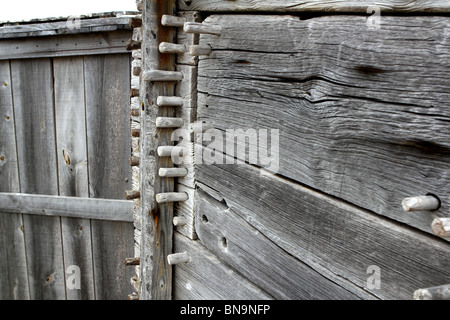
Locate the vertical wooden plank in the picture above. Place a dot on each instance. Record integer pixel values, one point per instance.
(157, 228)
(13, 271)
(35, 129)
(107, 84)
(72, 172)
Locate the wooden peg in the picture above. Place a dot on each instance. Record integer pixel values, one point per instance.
(172, 21)
(133, 45)
(137, 71)
(135, 112)
(177, 258)
(136, 22)
(200, 50)
(171, 197)
(164, 122)
(179, 221)
(173, 172)
(421, 203)
(433, 293)
(162, 101)
(132, 261)
(161, 75)
(132, 194)
(133, 296)
(135, 133)
(168, 151)
(135, 161)
(441, 227)
(195, 27)
(134, 93)
(166, 47)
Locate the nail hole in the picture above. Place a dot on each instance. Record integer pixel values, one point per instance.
(204, 219)
(223, 242)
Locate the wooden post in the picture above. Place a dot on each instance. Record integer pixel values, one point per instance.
(441, 227)
(434, 293)
(157, 218)
(177, 258)
(421, 203)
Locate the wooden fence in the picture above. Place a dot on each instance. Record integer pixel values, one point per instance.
(65, 228)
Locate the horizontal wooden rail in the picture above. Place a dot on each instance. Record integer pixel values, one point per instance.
(73, 207)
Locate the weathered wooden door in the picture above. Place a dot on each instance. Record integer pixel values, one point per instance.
(354, 99)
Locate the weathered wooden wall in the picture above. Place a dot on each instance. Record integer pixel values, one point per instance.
(65, 135)
(362, 115)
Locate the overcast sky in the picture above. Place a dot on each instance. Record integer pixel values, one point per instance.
(17, 10)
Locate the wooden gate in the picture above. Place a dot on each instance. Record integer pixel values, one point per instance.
(65, 226)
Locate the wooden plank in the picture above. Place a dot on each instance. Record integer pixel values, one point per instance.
(13, 270)
(69, 26)
(358, 118)
(64, 45)
(107, 83)
(205, 277)
(80, 208)
(157, 228)
(334, 238)
(242, 247)
(354, 6)
(35, 135)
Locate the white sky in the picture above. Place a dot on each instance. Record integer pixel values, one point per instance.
(17, 10)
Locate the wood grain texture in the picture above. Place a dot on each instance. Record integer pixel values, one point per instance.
(107, 85)
(157, 229)
(13, 270)
(64, 45)
(362, 114)
(35, 135)
(333, 238)
(205, 277)
(354, 6)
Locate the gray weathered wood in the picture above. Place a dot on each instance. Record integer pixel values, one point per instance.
(166, 47)
(208, 278)
(354, 6)
(107, 85)
(334, 238)
(420, 203)
(434, 293)
(349, 123)
(200, 50)
(441, 227)
(177, 258)
(13, 270)
(202, 28)
(163, 101)
(172, 21)
(157, 229)
(161, 75)
(64, 45)
(81, 208)
(172, 172)
(65, 27)
(252, 254)
(164, 122)
(35, 135)
(171, 197)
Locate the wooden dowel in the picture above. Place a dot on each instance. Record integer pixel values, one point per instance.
(135, 161)
(421, 203)
(135, 112)
(177, 258)
(133, 296)
(165, 122)
(166, 47)
(161, 75)
(195, 27)
(200, 50)
(162, 101)
(172, 21)
(132, 194)
(179, 221)
(134, 93)
(441, 227)
(168, 151)
(133, 45)
(433, 293)
(132, 261)
(136, 22)
(135, 133)
(171, 197)
(173, 172)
